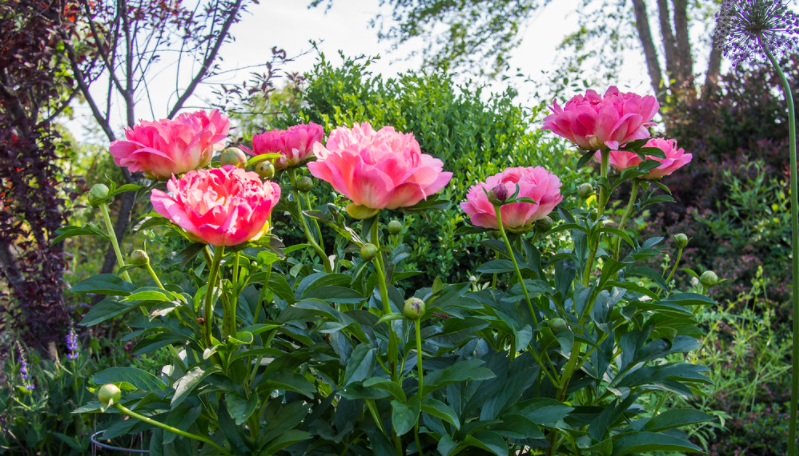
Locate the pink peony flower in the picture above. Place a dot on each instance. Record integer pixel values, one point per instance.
(536, 183)
(593, 122)
(675, 158)
(220, 206)
(378, 169)
(166, 147)
(295, 144)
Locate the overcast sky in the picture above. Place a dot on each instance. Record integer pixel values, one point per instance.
(289, 24)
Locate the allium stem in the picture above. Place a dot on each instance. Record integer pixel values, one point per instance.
(113, 236)
(794, 248)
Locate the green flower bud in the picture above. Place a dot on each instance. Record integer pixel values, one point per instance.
(98, 194)
(556, 324)
(394, 227)
(304, 184)
(139, 258)
(265, 169)
(498, 195)
(414, 309)
(681, 240)
(368, 251)
(585, 190)
(709, 279)
(233, 156)
(544, 224)
(109, 394)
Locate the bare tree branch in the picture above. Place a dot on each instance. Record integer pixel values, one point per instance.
(84, 88)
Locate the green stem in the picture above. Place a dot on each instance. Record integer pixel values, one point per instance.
(676, 264)
(418, 326)
(153, 422)
(627, 213)
(219, 252)
(231, 330)
(381, 275)
(154, 276)
(603, 171)
(316, 224)
(794, 247)
(263, 293)
(319, 250)
(515, 264)
(109, 227)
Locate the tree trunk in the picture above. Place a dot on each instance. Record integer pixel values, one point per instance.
(713, 69)
(685, 62)
(645, 34)
(669, 43)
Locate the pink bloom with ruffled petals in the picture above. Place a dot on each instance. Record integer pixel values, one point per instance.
(166, 147)
(610, 121)
(220, 206)
(382, 169)
(536, 183)
(295, 144)
(675, 158)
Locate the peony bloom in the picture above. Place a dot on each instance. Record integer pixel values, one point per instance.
(166, 147)
(675, 158)
(295, 144)
(593, 122)
(378, 169)
(220, 206)
(536, 183)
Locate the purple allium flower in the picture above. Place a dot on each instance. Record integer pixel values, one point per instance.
(745, 26)
(72, 344)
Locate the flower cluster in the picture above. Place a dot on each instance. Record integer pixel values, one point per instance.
(24, 372)
(747, 27)
(72, 344)
(675, 158)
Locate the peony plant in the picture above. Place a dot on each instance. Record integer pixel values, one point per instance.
(544, 352)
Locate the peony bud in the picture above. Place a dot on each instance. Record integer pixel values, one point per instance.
(265, 169)
(139, 258)
(556, 324)
(544, 224)
(414, 309)
(368, 251)
(498, 194)
(394, 227)
(233, 156)
(304, 184)
(98, 194)
(709, 279)
(681, 240)
(109, 394)
(585, 190)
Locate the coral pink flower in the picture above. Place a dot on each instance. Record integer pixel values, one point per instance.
(220, 206)
(675, 158)
(378, 169)
(593, 122)
(536, 183)
(295, 144)
(168, 147)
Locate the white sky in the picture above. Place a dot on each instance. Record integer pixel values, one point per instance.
(289, 24)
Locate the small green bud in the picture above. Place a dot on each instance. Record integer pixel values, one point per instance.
(233, 156)
(544, 224)
(681, 240)
(556, 324)
(139, 258)
(585, 190)
(98, 194)
(368, 251)
(109, 394)
(414, 309)
(394, 227)
(709, 279)
(265, 169)
(498, 194)
(304, 184)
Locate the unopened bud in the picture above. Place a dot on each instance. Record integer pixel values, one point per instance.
(681, 240)
(414, 309)
(368, 251)
(265, 169)
(98, 194)
(556, 324)
(544, 224)
(394, 227)
(233, 156)
(498, 194)
(709, 279)
(585, 190)
(139, 258)
(304, 184)
(109, 394)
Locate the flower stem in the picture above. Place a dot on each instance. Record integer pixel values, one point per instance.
(319, 250)
(154, 276)
(627, 213)
(219, 252)
(177, 431)
(603, 171)
(418, 326)
(231, 330)
(794, 248)
(109, 227)
(381, 274)
(515, 264)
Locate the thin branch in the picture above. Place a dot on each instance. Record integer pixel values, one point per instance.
(84, 88)
(101, 45)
